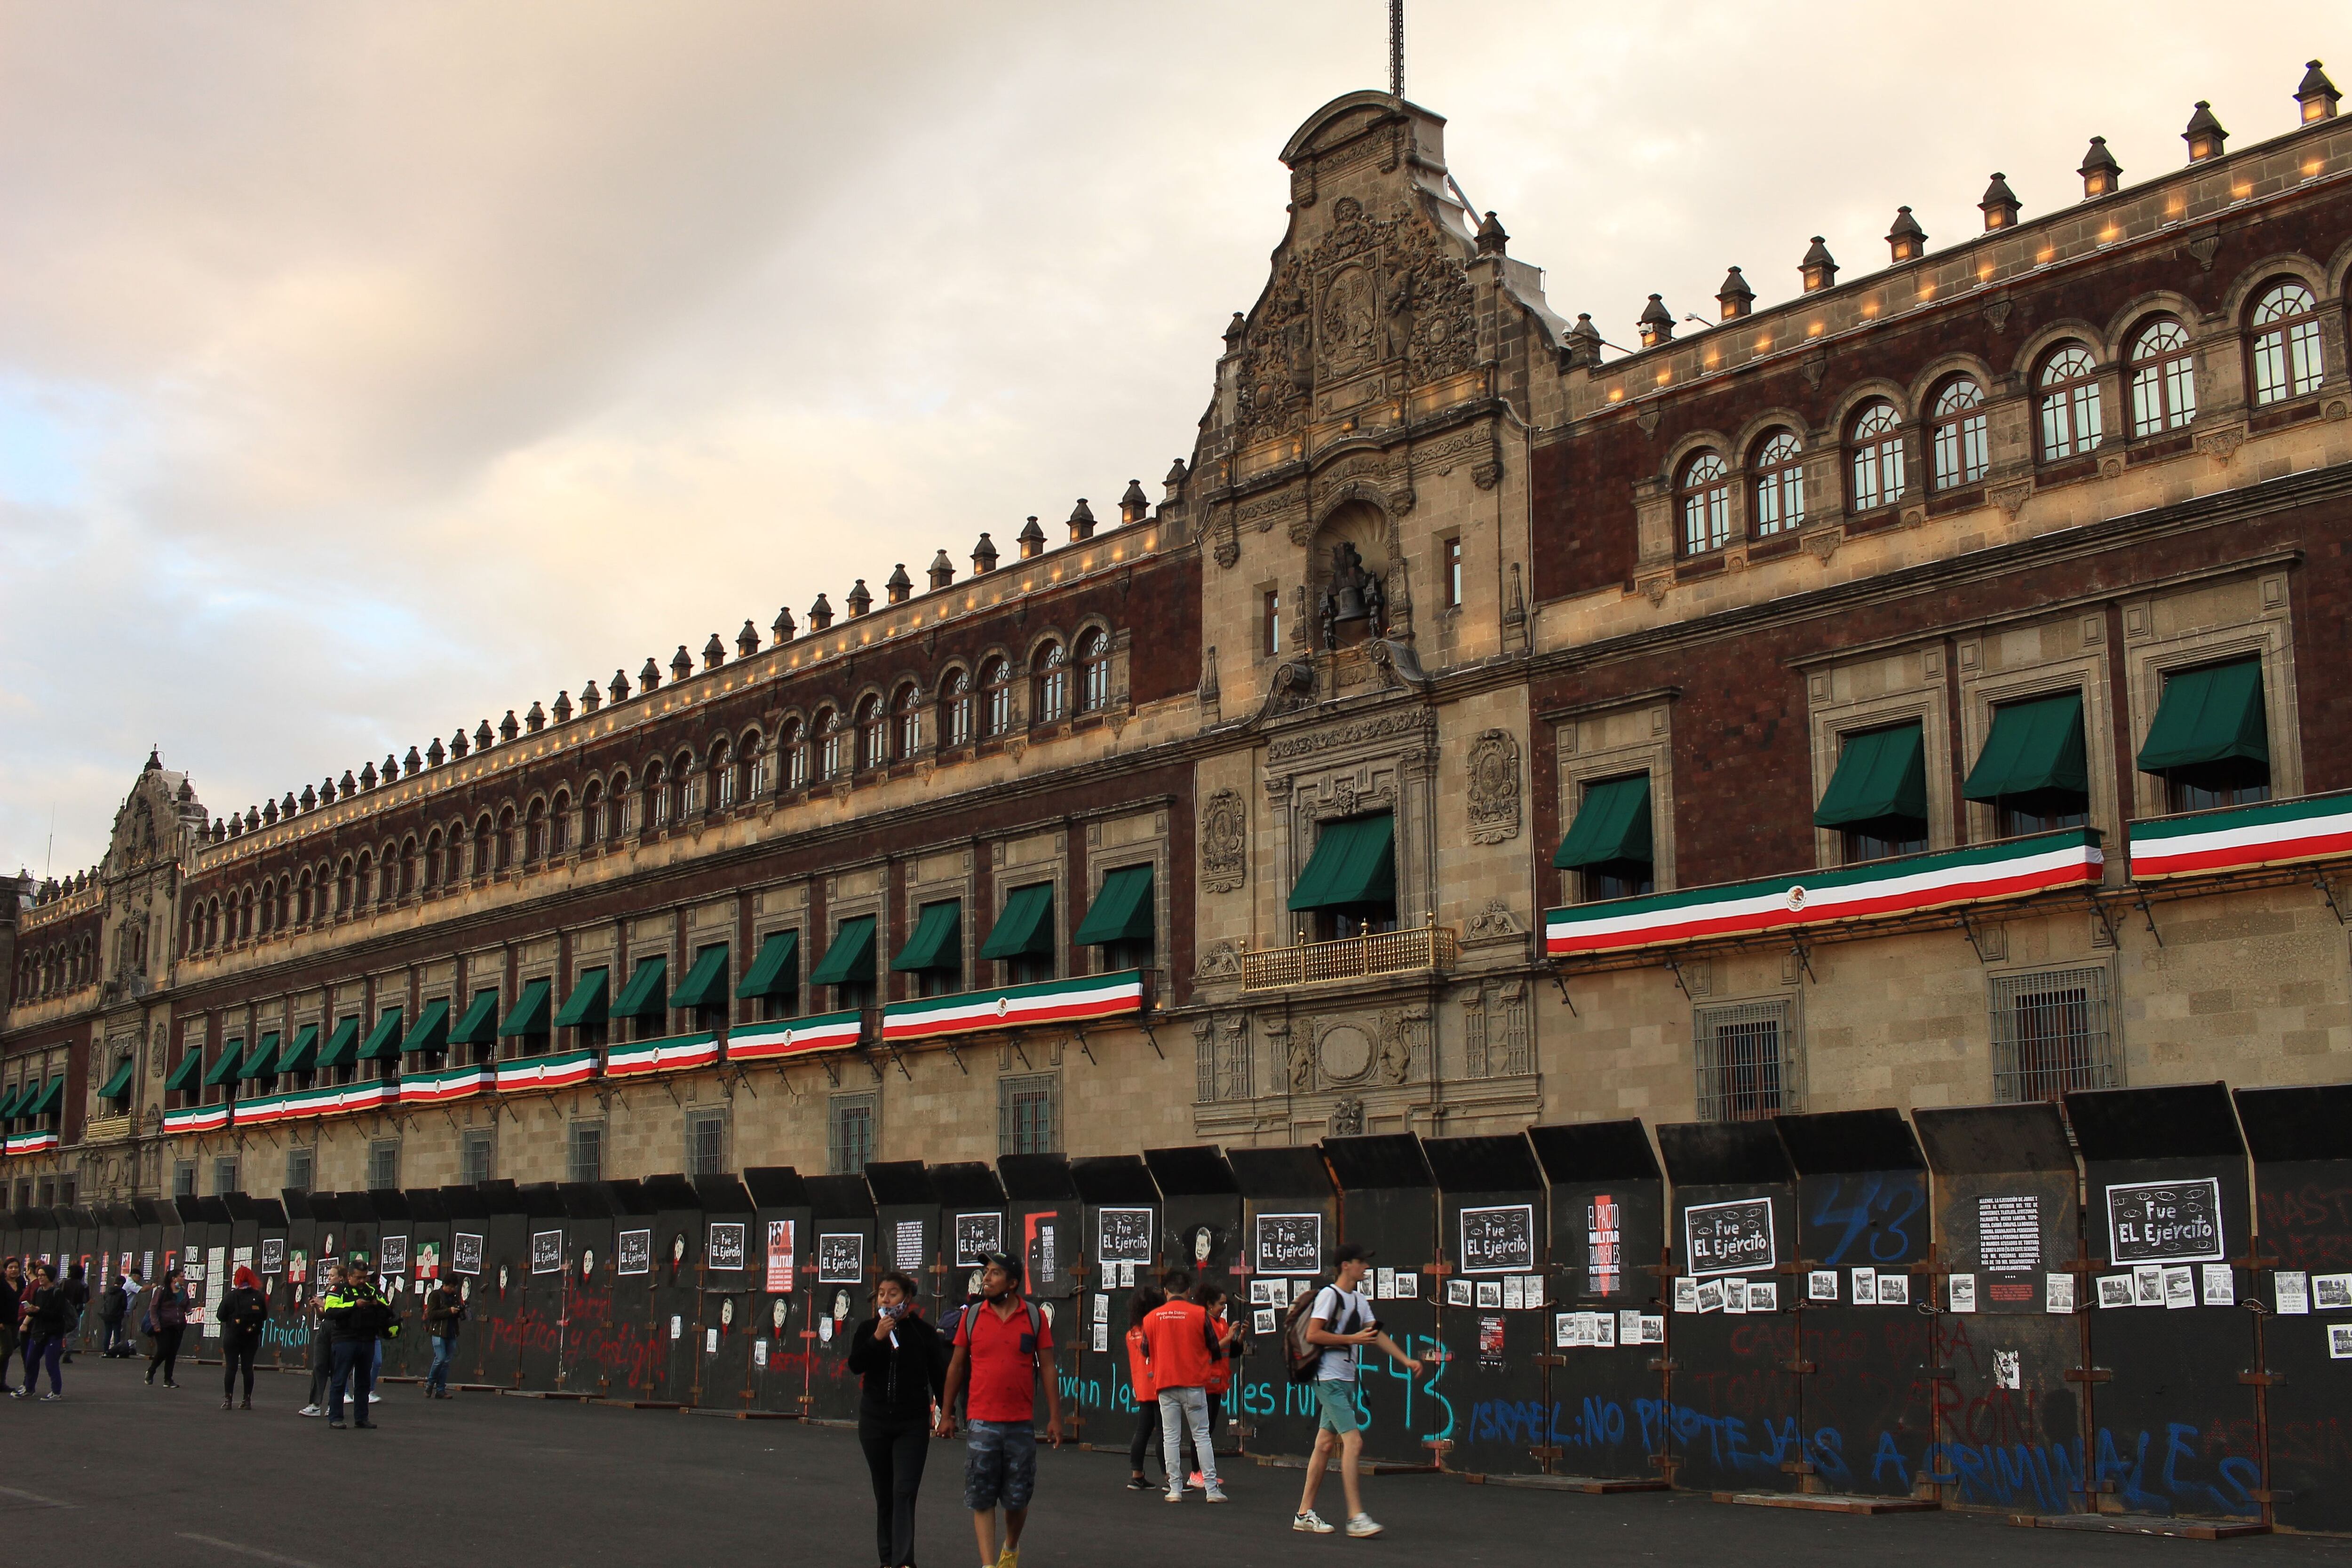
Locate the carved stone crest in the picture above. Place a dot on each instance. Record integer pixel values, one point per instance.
(1344, 1053)
(1396, 1048)
(1492, 924)
(1221, 962)
(1493, 787)
(1224, 842)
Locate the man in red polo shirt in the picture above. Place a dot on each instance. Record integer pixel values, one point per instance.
(1003, 1348)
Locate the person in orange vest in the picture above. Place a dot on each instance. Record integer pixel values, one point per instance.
(1185, 1352)
(1147, 1390)
(1213, 1301)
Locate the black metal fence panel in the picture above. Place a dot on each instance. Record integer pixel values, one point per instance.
(1494, 1382)
(1605, 1399)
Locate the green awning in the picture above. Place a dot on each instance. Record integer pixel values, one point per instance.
(1880, 773)
(224, 1066)
(118, 1085)
(937, 942)
(48, 1100)
(1121, 910)
(586, 1003)
(183, 1076)
(704, 984)
(304, 1054)
(343, 1046)
(264, 1059)
(8, 1099)
(1354, 864)
(480, 1024)
(2033, 746)
(432, 1030)
(383, 1041)
(644, 994)
(1612, 826)
(529, 1015)
(1025, 927)
(850, 959)
(2209, 715)
(776, 971)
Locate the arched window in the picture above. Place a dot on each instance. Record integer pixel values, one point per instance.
(1703, 500)
(482, 845)
(654, 792)
(268, 908)
(623, 805)
(452, 855)
(302, 900)
(1779, 480)
(995, 698)
(752, 763)
(1877, 467)
(1049, 676)
(244, 918)
(1963, 452)
(506, 839)
(791, 757)
(591, 814)
(955, 709)
(682, 785)
(828, 744)
(364, 880)
(906, 722)
(432, 859)
(722, 776)
(1094, 671)
(407, 867)
(534, 834)
(2287, 343)
(559, 822)
(873, 738)
(2163, 378)
(2069, 402)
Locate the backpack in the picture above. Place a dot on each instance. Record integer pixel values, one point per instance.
(1300, 1359)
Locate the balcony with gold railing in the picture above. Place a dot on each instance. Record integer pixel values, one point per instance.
(1353, 958)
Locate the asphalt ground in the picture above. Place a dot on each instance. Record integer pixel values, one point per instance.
(120, 1472)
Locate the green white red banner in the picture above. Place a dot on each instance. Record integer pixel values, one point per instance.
(784, 1037)
(640, 1058)
(2012, 869)
(1075, 1001)
(448, 1084)
(560, 1070)
(2243, 838)
(31, 1143)
(192, 1119)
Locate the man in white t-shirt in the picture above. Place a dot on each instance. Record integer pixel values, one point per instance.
(1341, 1321)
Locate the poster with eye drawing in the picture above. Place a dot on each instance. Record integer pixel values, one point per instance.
(464, 1254)
(1732, 1238)
(1289, 1243)
(547, 1252)
(1122, 1236)
(724, 1245)
(2165, 1222)
(976, 1233)
(1498, 1240)
(273, 1256)
(633, 1252)
(841, 1258)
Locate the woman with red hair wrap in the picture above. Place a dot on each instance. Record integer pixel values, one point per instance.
(243, 1311)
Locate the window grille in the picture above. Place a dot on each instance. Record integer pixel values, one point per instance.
(383, 1164)
(184, 1178)
(706, 1143)
(851, 1129)
(225, 1176)
(301, 1169)
(2052, 1032)
(474, 1157)
(585, 1156)
(1025, 1114)
(1746, 1055)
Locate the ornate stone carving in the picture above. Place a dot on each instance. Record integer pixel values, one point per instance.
(1292, 688)
(1396, 1048)
(1219, 962)
(1302, 1062)
(1823, 542)
(1228, 546)
(1995, 313)
(1493, 787)
(1343, 1054)
(2222, 445)
(1264, 512)
(2011, 497)
(1494, 923)
(1381, 727)
(1348, 1119)
(1224, 842)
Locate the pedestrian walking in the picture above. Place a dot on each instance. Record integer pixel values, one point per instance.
(901, 1363)
(445, 1309)
(1341, 1319)
(113, 1307)
(322, 1339)
(12, 1302)
(1003, 1348)
(1184, 1351)
(167, 1319)
(1147, 1387)
(358, 1318)
(46, 1311)
(76, 1285)
(243, 1312)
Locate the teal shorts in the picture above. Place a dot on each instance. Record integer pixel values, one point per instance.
(1338, 1403)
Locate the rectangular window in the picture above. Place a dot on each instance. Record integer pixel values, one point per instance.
(301, 1169)
(1454, 573)
(474, 1157)
(184, 1178)
(852, 1133)
(1026, 1119)
(706, 1143)
(1270, 623)
(383, 1164)
(2051, 1033)
(1745, 1053)
(585, 1158)
(225, 1177)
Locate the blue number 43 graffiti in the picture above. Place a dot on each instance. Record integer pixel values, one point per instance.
(1892, 1206)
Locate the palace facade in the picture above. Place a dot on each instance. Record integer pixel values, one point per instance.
(1925, 689)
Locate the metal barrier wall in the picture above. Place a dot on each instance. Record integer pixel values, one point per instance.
(842, 1273)
(586, 1334)
(973, 1209)
(1044, 1218)
(2301, 1139)
(1388, 1204)
(1491, 1212)
(1607, 1382)
(1121, 1225)
(1290, 1222)
(1864, 1300)
(2008, 1229)
(636, 1375)
(724, 1380)
(1201, 1231)
(1733, 1414)
(2172, 1415)
(905, 1222)
(780, 1355)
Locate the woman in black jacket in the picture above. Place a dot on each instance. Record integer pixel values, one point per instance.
(48, 1312)
(900, 1359)
(243, 1311)
(167, 1318)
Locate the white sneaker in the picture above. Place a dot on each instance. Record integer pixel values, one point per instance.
(1217, 1494)
(1362, 1526)
(1311, 1522)
(308, 1410)
(1173, 1494)
(375, 1399)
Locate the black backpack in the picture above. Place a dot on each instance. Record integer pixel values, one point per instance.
(1301, 1360)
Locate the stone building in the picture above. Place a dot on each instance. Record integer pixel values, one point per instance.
(1914, 692)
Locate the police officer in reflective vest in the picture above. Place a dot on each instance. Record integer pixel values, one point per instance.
(356, 1315)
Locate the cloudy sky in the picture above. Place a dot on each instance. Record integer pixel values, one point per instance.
(368, 370)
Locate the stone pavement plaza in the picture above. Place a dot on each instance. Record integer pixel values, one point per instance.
(120, 1473)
